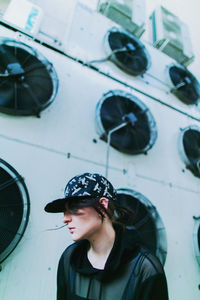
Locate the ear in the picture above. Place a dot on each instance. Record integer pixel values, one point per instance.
(104, 202)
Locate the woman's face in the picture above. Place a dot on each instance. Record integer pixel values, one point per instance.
(85, 223)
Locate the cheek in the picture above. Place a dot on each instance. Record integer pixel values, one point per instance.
(93, 224)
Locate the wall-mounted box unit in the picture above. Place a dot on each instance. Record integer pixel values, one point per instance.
(24, 14)
(3, 6)
(171, 36)
(130, 14)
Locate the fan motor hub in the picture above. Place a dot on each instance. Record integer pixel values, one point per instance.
(15, 69)
(130, 118)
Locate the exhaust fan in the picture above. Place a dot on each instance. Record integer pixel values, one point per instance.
(28, 81)
(189, 148)
(184, 85)
(196, 238)
(146, 221)
(14, 208)
(117, 107)
(126, 51)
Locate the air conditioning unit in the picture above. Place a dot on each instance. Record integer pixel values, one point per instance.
(130, 14)
(171, 36)
(3, 6)
(24, 14)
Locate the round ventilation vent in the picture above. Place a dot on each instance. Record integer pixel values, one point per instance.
(126, 51)
(28, 81)
(184, 85)
(116, 107)
(196, 238)
(146, 221)
(189, 148)
(14, 208)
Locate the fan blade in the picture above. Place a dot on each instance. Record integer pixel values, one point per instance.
(115, 41)
(7, 94)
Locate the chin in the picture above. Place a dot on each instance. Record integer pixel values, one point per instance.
(76, 238)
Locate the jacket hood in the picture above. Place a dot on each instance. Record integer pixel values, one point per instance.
(125, 248)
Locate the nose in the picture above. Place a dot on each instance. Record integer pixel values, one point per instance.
(67, 218)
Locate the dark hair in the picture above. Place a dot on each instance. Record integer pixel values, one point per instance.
(115, 212)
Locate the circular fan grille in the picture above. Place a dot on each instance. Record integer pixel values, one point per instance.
(127, 51)
(196, 238)
(115, 107)
(185, 85)
(189, 146)
(28, 81)
(14, 209)
(146, 221)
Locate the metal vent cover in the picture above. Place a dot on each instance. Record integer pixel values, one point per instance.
(14, 208)
(189, 148)
(116, 106)
(196, 238)
(146, 221)
(127, 51)
(183, 84)
(28, 81)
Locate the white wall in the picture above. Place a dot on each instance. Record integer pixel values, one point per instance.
(38, 149)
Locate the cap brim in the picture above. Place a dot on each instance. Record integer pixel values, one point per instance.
(58, 205)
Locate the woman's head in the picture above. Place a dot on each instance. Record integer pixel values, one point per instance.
(88, 190)
(85, 186)
(103, 206)
(106, 209)
(87, 219)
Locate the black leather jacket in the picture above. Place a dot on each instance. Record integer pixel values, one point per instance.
(130, 273)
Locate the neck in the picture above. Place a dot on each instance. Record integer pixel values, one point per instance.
(101, 245)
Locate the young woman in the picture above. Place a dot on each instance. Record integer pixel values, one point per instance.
(106, 262)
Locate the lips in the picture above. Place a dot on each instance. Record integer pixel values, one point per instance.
(71, 229)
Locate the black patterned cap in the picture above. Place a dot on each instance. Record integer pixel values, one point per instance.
(83, 186)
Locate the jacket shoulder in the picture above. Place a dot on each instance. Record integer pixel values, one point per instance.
(64, 262)
(67, 252)
(154, 263)
(149, 265)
